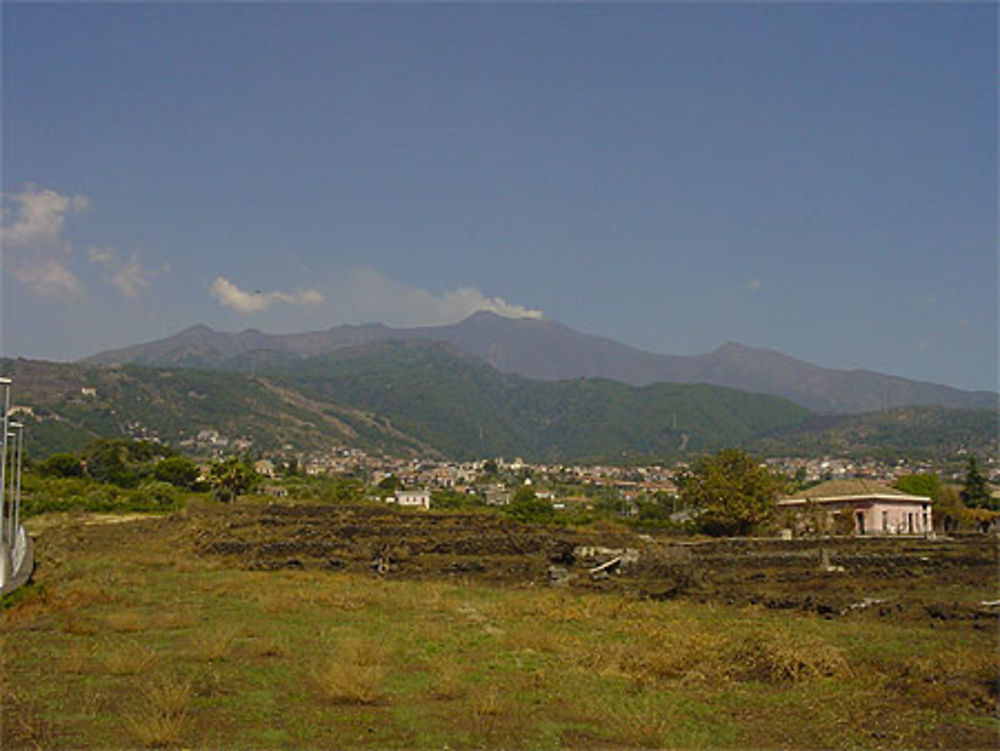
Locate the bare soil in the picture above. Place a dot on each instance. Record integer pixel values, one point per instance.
(898, 578)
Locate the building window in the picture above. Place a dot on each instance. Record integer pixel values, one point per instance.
(885, 521)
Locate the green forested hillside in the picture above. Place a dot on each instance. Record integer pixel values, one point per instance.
(467, 409)
(421, 398)
(72, 404)
(916, 432)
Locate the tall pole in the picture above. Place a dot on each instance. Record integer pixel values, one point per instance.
(17, 488)
(8, 519)
(5, 547)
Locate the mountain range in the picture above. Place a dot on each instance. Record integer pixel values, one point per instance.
(425, 399)
(548, 351)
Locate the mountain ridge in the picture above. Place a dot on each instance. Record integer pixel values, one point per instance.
(550, 351)
(427, 399)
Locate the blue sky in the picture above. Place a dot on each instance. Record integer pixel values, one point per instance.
(819, 179)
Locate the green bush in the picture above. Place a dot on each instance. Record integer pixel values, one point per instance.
(62, 465)
(527, 507)
(178, 471)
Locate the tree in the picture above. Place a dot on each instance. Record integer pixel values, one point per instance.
(121, 461)
(949, 511)
(528, 507)
(229, 478)
(179, 471)
(734, 493)
(61, 465)
(976, 491)
(927, 484)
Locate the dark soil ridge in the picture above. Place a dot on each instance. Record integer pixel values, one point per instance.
(898, 578)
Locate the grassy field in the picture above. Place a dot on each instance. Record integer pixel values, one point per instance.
(131, 640)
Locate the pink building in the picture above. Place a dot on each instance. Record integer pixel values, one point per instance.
(859, 506)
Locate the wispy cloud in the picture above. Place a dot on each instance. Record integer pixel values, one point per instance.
(101, 256)
(243, 302)
(35, 249)
(129, 278)
(365, 294)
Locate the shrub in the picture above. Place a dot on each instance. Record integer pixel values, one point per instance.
(527, 507)
(353, 675)
(154, 496)
(777, 658)
(179, 471)
(61, 465)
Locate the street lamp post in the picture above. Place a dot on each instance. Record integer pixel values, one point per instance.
(6, 546)
(16, 469)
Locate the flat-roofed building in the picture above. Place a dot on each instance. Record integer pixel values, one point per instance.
(866, 507)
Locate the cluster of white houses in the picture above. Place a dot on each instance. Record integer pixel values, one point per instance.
(859, 506)
(856, 506)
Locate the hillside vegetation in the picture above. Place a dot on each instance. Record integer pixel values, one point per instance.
(549, 351)
(919, 432)
(175, 405)
(424, 398)
(468, 409)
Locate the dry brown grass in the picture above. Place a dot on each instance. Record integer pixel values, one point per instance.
(354, 674)
(539, 638)
(641, 724)
(128, 658)
(161, 715)
(167, 694)
(36, 603)
(22, 724)
(961, 677)
(487, 709)
(126, 622)
(177, 618)
(447, 682)
(79, 625)
(270, 647)
(782, 657)
(76, 659)
(213, 644)
(155, 730)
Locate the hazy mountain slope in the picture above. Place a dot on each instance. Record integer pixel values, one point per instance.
(914, 432)
(468, 409)
(175, 405)
(423, 398)
(545, 350)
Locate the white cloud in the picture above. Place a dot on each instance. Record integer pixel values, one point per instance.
(48, 278)
(101, 256)
(40, 217)
(35, 251)
(367, 295)
(243, 302)
(131, 278)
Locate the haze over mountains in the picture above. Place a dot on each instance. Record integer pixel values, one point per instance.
(549, 351)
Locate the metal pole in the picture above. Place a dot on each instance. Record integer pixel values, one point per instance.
(4, 543)
(17, 492)
(8, 519)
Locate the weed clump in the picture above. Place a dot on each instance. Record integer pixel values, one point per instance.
(353, 674)
(780, 658)
(126, 622)
(161, 716)
(947, 681)
(213, 644)
(129, 658)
